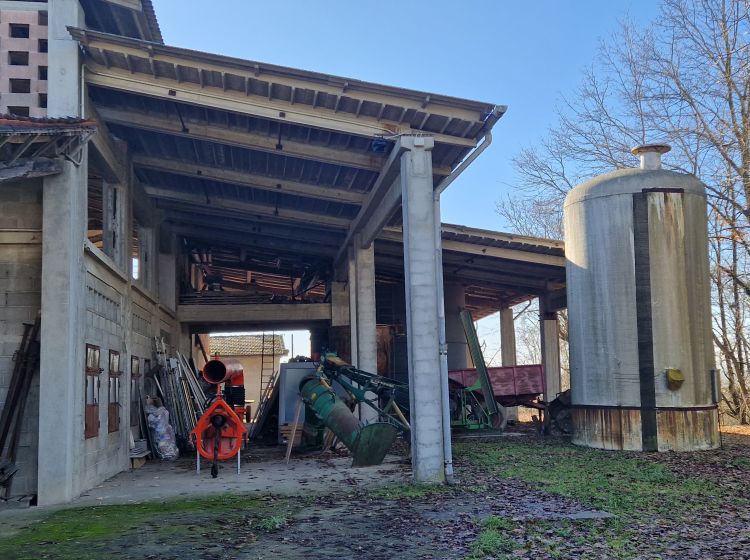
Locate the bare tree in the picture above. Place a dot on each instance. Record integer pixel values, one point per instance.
(685, 81)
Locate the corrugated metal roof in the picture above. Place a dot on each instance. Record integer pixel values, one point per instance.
(489, 238)
(14, 124)
(246, 345)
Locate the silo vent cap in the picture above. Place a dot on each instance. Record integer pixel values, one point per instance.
(650, 154)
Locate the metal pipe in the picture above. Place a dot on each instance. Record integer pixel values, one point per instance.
(442, 342)
(218, 371)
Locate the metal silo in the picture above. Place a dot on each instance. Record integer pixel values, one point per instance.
(641, 351)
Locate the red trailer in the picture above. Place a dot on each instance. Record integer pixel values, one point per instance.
(511, 386)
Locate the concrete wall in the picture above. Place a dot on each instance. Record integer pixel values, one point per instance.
(252, 367)
(125, 317)
(106, 325)
(20, 300)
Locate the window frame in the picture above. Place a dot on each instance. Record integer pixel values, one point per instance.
(114, 392)
(135, 375)
(92, 376)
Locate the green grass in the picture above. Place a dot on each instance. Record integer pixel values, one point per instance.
(494, 540)
(631, 488)
(272, 522)
(618, 483)
(81, 532)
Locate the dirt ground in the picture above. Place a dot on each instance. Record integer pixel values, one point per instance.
(518, 496)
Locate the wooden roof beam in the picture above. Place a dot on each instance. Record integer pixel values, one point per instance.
(246, 179)
(165, 124)
(221, 235)
(252, 208)
(236, 101)
(205, 223)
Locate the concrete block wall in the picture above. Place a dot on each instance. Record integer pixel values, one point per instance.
(105, 454)
(9, 13)
(20, 299)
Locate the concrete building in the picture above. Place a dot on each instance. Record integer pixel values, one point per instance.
(23, 58)
(220, 194)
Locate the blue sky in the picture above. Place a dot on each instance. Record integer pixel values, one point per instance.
(525, 55)
(521, 54)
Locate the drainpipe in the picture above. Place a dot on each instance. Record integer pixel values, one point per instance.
(443, 345)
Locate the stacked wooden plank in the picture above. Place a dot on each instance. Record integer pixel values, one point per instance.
(286, 432)
(25, 367)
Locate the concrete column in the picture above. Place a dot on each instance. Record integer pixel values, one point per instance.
(352, 282)
(339, 304)
(422, 314)
(61, 369)
(455, 337)
(362, 314)
(508, 349)
(550, 335)
(367, 343)
(112, 223)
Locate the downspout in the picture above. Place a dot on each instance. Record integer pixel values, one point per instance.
(443, 344)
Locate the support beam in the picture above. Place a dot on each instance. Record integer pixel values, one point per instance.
(550, 335)
(508, 349)
(220, 235)
(253, 208)
(339, 304)
(258, 313)
(362, 310)
(377, 201)
(246, 179)
(239, 138)
(61, 367)
(111, 157)
(462, 247)
(458, 348)
(198, 217)
(422, 314)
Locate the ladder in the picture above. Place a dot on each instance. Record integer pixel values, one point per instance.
(267, 362)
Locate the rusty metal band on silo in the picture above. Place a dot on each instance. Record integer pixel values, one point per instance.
(642, 256)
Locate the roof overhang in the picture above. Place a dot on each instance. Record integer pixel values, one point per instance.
(283, 161)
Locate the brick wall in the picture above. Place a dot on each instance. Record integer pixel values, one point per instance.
(34, 100)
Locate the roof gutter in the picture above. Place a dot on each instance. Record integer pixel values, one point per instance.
(494, 117)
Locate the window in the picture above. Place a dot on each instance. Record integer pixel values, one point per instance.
(18, 111)
(42, 72)
(135, 375)
(18, 58)
(43, 100)
(20, 85)
(95, 196)
(19, 30)
(135, 257)
(114, 392)
(42, 46)
(91, 415)
(43, 17)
